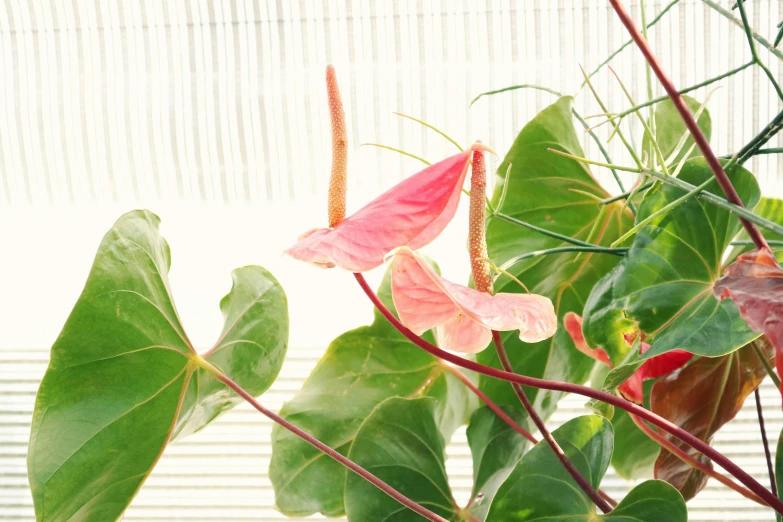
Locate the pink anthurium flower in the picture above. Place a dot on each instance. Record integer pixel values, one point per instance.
(412, 213)
(463, 318)
(633, 388)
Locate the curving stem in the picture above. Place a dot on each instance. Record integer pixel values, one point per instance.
(345, 461)
(567, 387)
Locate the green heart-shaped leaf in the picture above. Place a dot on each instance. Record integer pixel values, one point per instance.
(360, 370)
(401, 444)
(496, 447)
(540, 190)
(669, 128)
(540, 489)
(122, 376)
(663, 286)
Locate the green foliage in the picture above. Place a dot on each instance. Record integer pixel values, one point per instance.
(663, 286)
(361, 369)
(123, 375)
(539, 191)
(634, 452)
(540, 489)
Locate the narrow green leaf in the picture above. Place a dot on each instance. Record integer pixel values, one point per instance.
(361, 369)
(537, 192)
(121, 372)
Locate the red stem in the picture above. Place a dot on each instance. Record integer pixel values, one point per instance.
(375, 481)
(693, 462)
(558, 451)
(585, 391)
(690, 121)
(491, 405)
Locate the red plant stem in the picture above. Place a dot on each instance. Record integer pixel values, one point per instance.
(491, 405)
(578, 389)
(588, 489)
(504, 416)
(369, 477)
(690, 121)
(692, 462)
(770, 469)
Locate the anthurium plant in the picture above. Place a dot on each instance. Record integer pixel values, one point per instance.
(666, 298)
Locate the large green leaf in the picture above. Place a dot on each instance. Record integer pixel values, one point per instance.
(122, 374)
(540, 489)
(401, 444)
(634, 452)
(669, 128)
(663, 286)
(539, 191)
(360, 370)
(771, 209)
(496, 447)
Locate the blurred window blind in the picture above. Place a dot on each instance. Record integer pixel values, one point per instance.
(212, 114)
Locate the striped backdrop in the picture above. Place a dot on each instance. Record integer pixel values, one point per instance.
(213, 114)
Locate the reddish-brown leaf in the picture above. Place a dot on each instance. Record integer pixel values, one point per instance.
(755, 283)
(700, 399)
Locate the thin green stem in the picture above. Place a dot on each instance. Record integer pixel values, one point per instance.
(754, 145)
(767, 366)
(771, 150)
(756, 36)
(562, 237)
(559, 250)
(648, 77)
(612, 120)
(404, 153)
(629, 42)
(718, 201)
(748, 242)
(514, 88)
(422, 122)
(597, 163)
(662, 212)
(756, 58)
(628, 194)
(654, 143)
(375, 481)
(665, 97)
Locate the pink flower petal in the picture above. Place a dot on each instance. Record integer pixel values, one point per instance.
(465, 317)
(573, 325)
(412, 213)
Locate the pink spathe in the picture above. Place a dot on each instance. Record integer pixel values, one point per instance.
(412, 213)
(463, 318)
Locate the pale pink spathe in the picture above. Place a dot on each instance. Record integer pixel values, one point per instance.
(412, 213)
(463, 317)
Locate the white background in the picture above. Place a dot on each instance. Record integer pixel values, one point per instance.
(213, 115)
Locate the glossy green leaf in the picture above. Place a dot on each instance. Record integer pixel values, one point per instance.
(634, 452)
(700, 399)
(401, 444)
(496, 447)
(360, 370)
(539, 191)
(663, 286)
(779, 471)
(121, 374)
(769, 208)
(669, 128)
(540, 489)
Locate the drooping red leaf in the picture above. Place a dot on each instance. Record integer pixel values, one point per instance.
(755, 283)
(633, 388)
(700, 399)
